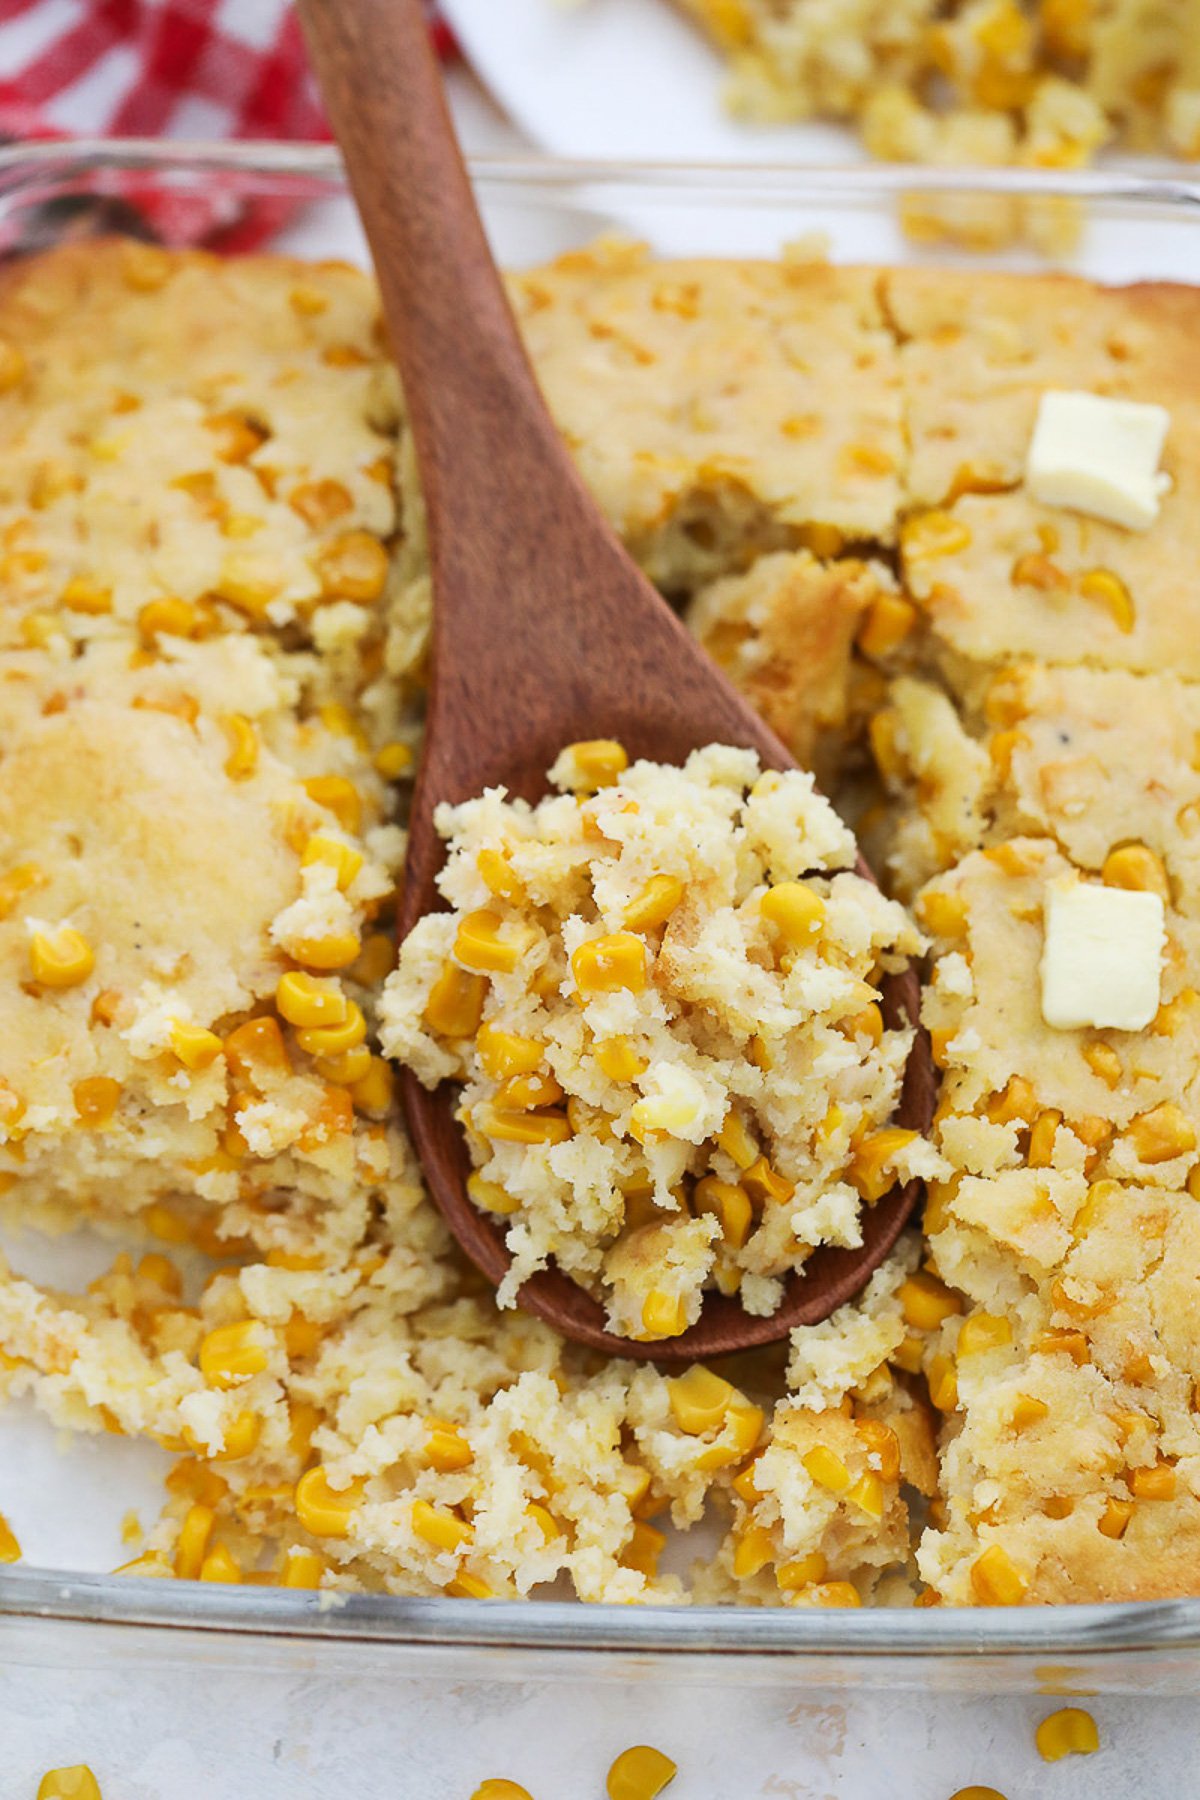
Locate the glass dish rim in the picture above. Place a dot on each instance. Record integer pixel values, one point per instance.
(1109, 1628)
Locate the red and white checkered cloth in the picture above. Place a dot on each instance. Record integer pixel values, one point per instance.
(208, 69)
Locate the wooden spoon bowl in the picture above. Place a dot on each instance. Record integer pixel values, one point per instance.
(545, 632)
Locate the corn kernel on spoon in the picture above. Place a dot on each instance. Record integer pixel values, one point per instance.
(545, 632)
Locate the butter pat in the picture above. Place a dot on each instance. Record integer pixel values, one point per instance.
(1098, 456)
(1102, 961)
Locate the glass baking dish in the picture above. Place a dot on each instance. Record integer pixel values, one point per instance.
(1130, 228)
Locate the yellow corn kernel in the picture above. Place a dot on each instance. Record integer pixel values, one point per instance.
(340, 797)
(341, 722)
(618, 1059)
(303, 1569)
(545, 1521)
(982, 1331)
(699, 1400)
(996, 1579)
(883, 732)
(302, 1337)
(1102, 585)
(730, 1204)
(241, 1436)
(925, 1301)
(663, 1315)
(195, 1047)
(353, 567)
(455, 1004)
(96, 1100)
(1162, 1133)
(335, 1039)
(643, 1550)
(942, 913)
(242, 760)
(441, 1529)
(736, 1141)
(393, 760)
(595, 763)
(521, 1093)
(489, 1196)
(446, 1448)
(220, 1565)
(255, 1048)
(17, 882)
(498, 877)
(1114, 1520)
(1034, 569)
(655, 904)
(341, 858)
(605, 964)
(1017, 1102)
(801, 1573)
(506, 1053)
(495, 1787)
(639, 1774)
(890, 619)
(943, 1383)
(752, 1552)
(323, 1510)
(521, 1127)
(1027, 1411)
(152, 1566)
(478, 944)
(192, 1546)
(1041, 1139)
(373, 1091)
(76, 1783)
(974, 1792)
(1157, 1483)
(1103, 1061)
(868, 1023)
(84, 596)
(870, 1164)
(765, 1185)
(61, 961)
(304, 1000)
(834, 1593)
(827, 1469)
(170, 617)
(935, 533)
(232, 1354)
(796, 912)
(10, 1549)
(1068, 1732)
(883, 1446)
(867, 1495)
(1136, 866)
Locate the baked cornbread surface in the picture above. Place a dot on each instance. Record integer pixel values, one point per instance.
(791, 452)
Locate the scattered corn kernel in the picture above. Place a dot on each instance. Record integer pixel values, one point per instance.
(336, 1038)
(639, 1774)
(485, 944)
(76, 1783)
(220, 1565)
(890, 619)
(1111, 592)
(489, 1196)
(446, 1447)
(340, 797)
(594, 763)
(699, 1400)
(801, 1573)
(96, 1100)
(728, 1203)
(1068, 1732)
(192, 1545)
(870, 1168)
(1162, 1133)
(10, 1549)
(663, 1315)
(1136, 866)
(195, 1047)
(1157, 1483)
(827, 1469)
(302, 1569)
(981, 1332)
(341, 858)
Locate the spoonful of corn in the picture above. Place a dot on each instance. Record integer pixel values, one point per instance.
(613, 1157)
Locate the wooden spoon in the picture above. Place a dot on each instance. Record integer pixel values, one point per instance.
(544, 631)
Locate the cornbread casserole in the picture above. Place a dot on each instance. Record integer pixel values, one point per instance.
(640, 948)
(1038, 83)
(216, 606)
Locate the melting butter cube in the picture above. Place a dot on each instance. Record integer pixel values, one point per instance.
(1102, 961)
(1098, 456)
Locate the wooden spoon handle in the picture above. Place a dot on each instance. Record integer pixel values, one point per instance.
(472, 397)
